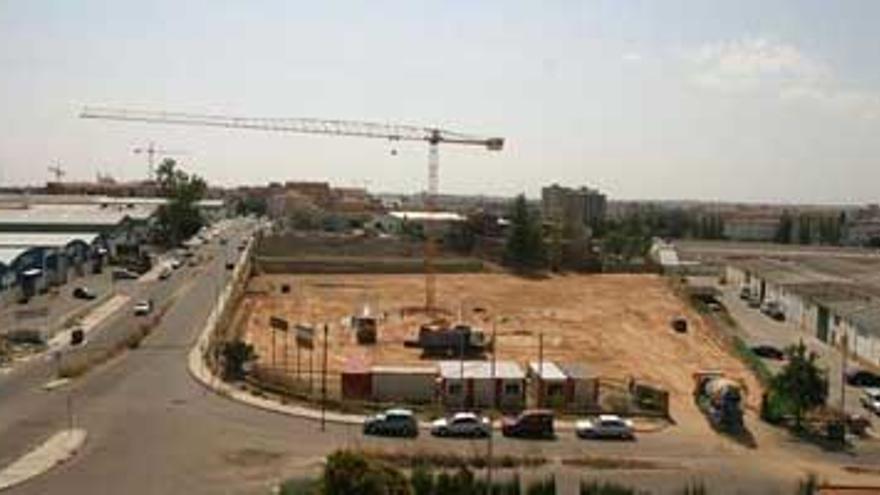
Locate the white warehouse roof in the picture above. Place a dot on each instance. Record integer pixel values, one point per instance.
(27, 240)
(480, 370)
(9, 254)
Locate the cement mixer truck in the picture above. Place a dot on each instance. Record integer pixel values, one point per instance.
(721, 400)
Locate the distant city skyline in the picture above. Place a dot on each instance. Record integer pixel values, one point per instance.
(751, 101)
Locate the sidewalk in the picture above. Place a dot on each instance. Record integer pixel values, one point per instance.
(59, 448)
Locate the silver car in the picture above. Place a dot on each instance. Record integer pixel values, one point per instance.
(605, 426)
(463, 424)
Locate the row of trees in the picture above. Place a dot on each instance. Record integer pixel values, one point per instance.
(810, 228)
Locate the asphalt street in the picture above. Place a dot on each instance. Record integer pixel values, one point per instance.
(152, 429)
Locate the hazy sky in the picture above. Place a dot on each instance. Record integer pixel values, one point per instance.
(734, 100)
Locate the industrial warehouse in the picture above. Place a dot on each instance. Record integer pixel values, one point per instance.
(835, 299)
(46, 240)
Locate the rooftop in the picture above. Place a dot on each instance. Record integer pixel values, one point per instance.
(430, 216)
(546, 370)
(44, 239)
(480, 369)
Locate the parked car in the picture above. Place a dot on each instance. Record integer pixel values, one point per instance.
(223, 241)
(463, 424)
(605, 426)
(768, 352)
(230, 265)
(745, 294)
(393, 422)
(175, 263)
(534, 423)
(123, 274)
(83, 292)
(754, 302)
(862, 378)
(143, 308)
(715, 306)
(871, 399)
(165, 273)
(774, 310)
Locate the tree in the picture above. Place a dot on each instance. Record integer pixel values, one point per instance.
(525, 246)
(180, 217)
(801, 382)
(235, 355)
(253, 205)
(784, 230)
(805, 233)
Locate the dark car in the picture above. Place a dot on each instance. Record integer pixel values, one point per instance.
(768, 352)
(83, 293)
(393, 422)
(122, 274)
(230, 265)
(535, 423)
(862, 378)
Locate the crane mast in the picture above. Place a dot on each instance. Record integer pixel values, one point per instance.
(394, 132)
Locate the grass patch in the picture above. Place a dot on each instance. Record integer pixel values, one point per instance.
(608, 463)
(755, 363)
(442, 460)
(300, 486)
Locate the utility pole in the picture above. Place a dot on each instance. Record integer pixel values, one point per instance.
(540, 369)
(490, 446)
(844, 351)
(324, 384)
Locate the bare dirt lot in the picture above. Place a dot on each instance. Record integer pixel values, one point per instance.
(618, 325)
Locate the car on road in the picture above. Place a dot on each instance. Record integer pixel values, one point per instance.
(862, 378)
(143, 308)
(745, 294)
(165, 273)
(605, 426)
(230, 265)
(768, 352)
(392, 422)
(175, 264)
(123, 274)
(871, 399)
(462, 424)
(532, 423)
(774, 310)
(83, 292)
(754, 302)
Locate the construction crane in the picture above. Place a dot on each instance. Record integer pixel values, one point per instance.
(58, 172)
(431, 135)
(151, 151)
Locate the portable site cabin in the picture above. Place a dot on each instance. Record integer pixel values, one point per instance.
(569, 386)
(480, 384)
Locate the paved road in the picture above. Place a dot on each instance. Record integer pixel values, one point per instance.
(758, 328)
(153, 430)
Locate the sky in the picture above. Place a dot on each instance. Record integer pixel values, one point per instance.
(771, 101)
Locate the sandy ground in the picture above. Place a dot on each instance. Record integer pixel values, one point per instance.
(617, 325)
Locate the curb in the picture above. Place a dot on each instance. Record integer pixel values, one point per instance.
(59, 448)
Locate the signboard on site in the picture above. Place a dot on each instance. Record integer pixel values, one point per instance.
(305, 336)
(278, 323)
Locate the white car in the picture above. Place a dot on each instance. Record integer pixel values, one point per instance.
(871, 399)
(175, 263)
(463, 424)
(143, 308)
(605, 426)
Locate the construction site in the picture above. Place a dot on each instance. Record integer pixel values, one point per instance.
(616, 326)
